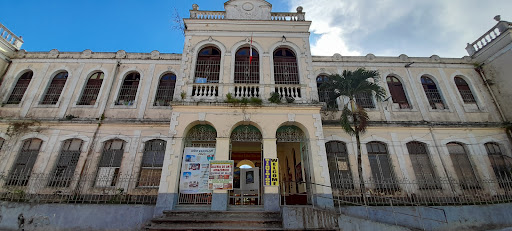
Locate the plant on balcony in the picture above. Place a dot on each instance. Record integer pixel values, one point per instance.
(354, 118)
(256, 101)
(275, 97)
(183, 95)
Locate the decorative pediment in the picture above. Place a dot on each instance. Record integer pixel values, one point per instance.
(248, 9)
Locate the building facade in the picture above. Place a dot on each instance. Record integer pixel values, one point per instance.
(104, 123)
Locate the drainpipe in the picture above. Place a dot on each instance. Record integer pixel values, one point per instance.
(503, 117)
(100, 119)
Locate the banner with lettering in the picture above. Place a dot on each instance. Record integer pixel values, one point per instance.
(271, 172)
(221, 175)
(194, 170)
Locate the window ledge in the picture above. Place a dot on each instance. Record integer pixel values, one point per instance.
(47, 105)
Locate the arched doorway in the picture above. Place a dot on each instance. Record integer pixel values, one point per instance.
(199, 147)
(293, 153)
(246, 148)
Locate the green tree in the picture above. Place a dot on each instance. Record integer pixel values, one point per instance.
(354, 118)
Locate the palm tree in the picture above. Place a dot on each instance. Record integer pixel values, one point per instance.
(354, 119)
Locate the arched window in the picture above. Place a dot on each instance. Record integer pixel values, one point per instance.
(2, 141)
(286, 70)
(110, 163)
(247, 70)
(339, 167)
(66, 164)
(55, 89)
(462, 165)
(433, 95)
(325, 95)
(422, 166)
(208, 65)
(501, 164)
(92, 89)
(20, 88)
(397, 92)
(22, 168)
(128, 90)
(165, 90)
(152, 162)
(381, 167)
(464, 90)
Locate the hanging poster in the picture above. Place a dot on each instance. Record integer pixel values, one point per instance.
(194, 170)
(271, 172)
(221, 175)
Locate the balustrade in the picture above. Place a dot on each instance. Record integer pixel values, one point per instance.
(281, 16)
(293, 91)
(246, 90)
(205, 91)
(488, 37)
(10, 37)
(207, 14)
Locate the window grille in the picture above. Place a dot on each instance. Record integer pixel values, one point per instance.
(208, 65)
(422, 166)
(20, 88)
(501, 164)
(464, 90)
(339, 167)
(381, 167)
(246, 72)
(152, 162)
(325, 96)
(91, 89)
(2, 141)
(22, 169)
(110, 163)
(66, 164)
(165, 91)
(128, 90)
(286, 70)
(397, 92)
(433, 95)
(55, 89)
(462, 165)
(246, 133)
(365, 100)
(291, 134)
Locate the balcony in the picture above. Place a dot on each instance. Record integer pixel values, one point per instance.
(9, 40)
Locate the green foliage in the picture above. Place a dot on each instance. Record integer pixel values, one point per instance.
(354, 122)
(183, 95)
(244, 101)
(275, 97)
(256, 101)
(17, 128)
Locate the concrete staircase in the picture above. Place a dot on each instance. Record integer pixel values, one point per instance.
(217, 220)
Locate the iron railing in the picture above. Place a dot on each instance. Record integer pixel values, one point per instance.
(164, 95)
(127, 95)
(286, 73)
(207, 71)
(89, 95)
(17, 93)
(467, 96)
(78, 189)
(53, 93)
(365, 100)
(435, 100)
(247, 73)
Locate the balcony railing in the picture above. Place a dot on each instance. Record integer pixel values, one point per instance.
(292, 91)
(208, 91)
(274, 16)
(488, 37)
(10, 37)
(247, 90)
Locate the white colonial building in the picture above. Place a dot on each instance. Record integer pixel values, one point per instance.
(99, 124)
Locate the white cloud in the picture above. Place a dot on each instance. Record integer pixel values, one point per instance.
(393, 27)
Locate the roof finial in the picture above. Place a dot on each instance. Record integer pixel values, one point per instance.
(497, 18)
(195, 7)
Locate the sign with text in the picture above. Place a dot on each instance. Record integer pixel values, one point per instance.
(221, 175)
(194, 170)
(271, 172)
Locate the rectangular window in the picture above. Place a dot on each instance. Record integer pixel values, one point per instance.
(110, 163)
(66, 165)
(22, 169)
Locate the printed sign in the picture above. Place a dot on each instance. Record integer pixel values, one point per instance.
(271, 172)
(221, 175)
(194, 170)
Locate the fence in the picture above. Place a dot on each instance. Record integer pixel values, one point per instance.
(76, 189)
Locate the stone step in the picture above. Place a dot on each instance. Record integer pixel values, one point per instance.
(191, 228)
(222, 214)
(176, 222)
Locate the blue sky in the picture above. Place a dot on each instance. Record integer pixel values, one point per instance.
(348, 27)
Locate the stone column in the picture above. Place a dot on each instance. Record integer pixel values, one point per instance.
(220, 197)
(168, 192)
(271, 193)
